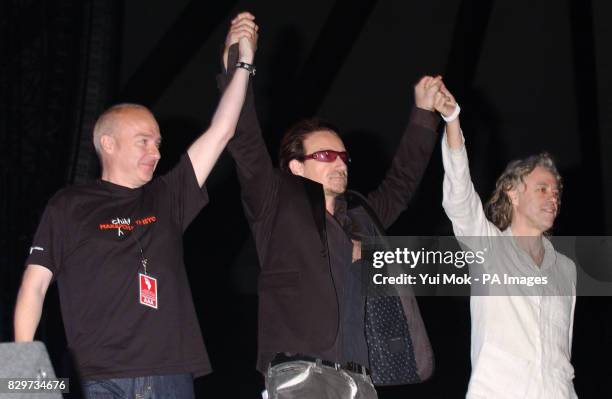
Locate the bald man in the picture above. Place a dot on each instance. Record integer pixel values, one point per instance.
(114, 246)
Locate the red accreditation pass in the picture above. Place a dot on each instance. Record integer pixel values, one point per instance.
(148, 290)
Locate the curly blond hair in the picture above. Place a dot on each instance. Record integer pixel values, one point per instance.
(498, 208)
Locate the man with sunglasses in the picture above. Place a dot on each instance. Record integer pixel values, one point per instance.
(312, 340)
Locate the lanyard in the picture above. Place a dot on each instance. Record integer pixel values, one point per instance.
(143, 259)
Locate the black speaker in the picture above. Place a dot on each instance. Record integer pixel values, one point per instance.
(26, 360)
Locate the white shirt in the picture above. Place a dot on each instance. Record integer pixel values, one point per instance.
(521, 344)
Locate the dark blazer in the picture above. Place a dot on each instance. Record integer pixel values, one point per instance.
(298, 306)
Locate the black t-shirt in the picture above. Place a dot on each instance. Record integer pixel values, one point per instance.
(90, 237)
(350, 344)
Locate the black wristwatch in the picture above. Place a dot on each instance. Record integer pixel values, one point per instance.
(248, 67)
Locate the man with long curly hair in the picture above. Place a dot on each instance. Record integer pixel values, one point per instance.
(521, 334)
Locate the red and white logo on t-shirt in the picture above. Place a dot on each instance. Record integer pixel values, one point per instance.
(123, 224)
(148, 290)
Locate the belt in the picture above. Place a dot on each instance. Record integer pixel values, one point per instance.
(353, 367)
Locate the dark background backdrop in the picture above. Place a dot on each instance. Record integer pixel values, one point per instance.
(530, 76)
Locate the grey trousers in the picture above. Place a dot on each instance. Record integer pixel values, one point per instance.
(309, 380)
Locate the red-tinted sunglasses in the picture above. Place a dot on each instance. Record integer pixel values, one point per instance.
(328, 156)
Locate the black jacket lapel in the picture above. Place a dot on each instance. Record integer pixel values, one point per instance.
(316, 198)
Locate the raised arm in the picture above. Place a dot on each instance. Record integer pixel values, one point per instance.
(392, 196)
(460, 200)
(30, 300)
(205, 151)
(258, 179)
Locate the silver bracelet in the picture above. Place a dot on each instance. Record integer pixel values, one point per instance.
(452, 116)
